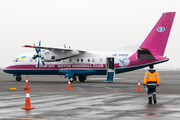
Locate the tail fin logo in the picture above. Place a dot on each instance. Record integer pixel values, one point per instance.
(160, 29)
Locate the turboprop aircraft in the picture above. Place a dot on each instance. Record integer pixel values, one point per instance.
(72, 62)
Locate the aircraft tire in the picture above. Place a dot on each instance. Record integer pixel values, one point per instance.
(74, 79)
(82, 78)
(18, 78)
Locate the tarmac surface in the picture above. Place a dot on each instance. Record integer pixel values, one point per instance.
(92, 100)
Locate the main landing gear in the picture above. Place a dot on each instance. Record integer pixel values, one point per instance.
(81, 78)
(18, 78)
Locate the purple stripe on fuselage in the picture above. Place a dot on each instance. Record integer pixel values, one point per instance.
(59, 66)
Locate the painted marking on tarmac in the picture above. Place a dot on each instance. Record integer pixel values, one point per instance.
(13, 118)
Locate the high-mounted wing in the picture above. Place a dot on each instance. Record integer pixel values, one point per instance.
(50, 54)
(53, 48)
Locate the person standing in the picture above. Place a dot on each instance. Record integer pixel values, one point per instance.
(151, 80)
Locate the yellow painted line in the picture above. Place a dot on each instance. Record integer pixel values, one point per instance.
(12, 88)
(13, 118)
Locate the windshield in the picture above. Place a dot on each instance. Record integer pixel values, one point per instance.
(16, 60)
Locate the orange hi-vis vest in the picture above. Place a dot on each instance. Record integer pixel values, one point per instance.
(151, 79)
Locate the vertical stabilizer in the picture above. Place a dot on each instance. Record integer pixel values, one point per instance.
(157, 39)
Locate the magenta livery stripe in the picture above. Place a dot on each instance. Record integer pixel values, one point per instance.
(59, 66)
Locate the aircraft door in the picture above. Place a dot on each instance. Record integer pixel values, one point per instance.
(110, 63)
(110, 70)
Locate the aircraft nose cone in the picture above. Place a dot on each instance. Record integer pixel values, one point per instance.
(4, 69)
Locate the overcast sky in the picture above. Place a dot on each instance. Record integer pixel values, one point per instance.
(94, 25)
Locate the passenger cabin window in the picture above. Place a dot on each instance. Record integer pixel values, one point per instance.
(93, 60)
(16, 60)
(53, 57)
(100, 59)
(70, 60)
(88, 60)
(77, 60)
(81, 60)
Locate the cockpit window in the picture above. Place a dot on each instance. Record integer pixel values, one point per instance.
(16, 60)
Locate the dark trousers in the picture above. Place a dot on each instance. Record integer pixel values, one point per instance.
(153, 92)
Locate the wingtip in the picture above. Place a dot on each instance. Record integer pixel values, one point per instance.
(27, 46)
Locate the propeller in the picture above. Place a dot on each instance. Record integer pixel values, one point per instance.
(65, 46)
(38, 51)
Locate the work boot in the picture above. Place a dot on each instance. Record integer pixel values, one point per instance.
(154, 97)
(150, 100)
(155, 101)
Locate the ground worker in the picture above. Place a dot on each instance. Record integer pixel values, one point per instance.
(151, 80)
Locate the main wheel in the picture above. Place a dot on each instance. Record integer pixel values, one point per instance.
(74, 79)
(82, 78)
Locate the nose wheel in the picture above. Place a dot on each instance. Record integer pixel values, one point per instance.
(18, 78)
(74, 79)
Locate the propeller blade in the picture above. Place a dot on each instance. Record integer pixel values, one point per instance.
(39, 45)
(39, 42)
(38, 64)
(37, 50)
(43, 63)
(35, 57)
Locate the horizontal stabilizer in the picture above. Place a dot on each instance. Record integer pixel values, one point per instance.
(145, 54)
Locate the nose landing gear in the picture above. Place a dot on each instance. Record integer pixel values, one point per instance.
(18, 78)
